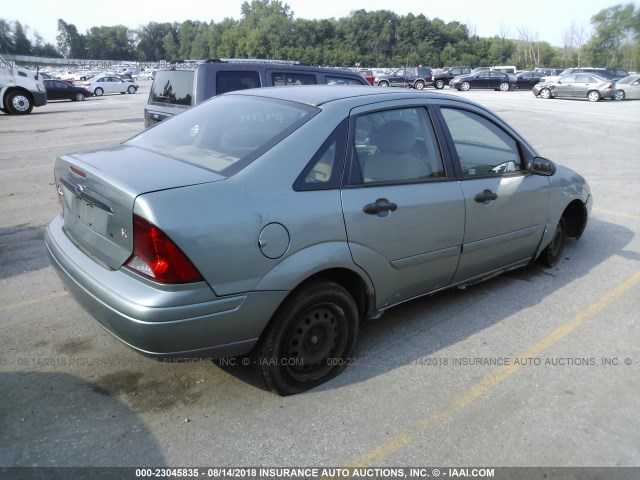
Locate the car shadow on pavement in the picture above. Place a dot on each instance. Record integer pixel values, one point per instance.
(421, 328)
(44, 422)
(22, 250)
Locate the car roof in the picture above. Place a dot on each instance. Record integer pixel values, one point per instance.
(316, 95)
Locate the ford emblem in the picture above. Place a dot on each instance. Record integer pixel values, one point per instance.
(79, 189)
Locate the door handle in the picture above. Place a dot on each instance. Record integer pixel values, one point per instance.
(382, 207)
(486, 196)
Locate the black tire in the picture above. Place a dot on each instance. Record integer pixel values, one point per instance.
(309, 340)
(594, 96)
(504, 87)
(79, 97)
(98, 92)
(19, 103)
(465, 86)
(383, 83)
(552, 253)
(131, 89)
(439, 84)
(418, 85)
(619, 95)
(545, 93)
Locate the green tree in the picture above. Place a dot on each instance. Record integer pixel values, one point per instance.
(70, 43)
(6, 36)
(613, 29)
(152, 39)
(21, 44)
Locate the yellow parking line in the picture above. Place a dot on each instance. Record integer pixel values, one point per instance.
(616, 214)
(376, 455)
(33, 301)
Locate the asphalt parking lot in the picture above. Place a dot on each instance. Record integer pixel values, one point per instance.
(538, 367)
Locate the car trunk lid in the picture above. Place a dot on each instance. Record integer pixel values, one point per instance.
(98, 188)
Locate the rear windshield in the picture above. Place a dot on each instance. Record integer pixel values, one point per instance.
(225, 134)
(174, 87)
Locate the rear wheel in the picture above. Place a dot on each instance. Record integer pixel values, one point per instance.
(504, 87)
(552, 253)
(383, 84)
(545, 93)
(419, 85)
(79, 97)
(309, 340)
(619, 95)
(439, 84)
(593, 96)
(465, 86)
(131, 89)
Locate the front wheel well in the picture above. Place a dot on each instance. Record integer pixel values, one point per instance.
(575, 216)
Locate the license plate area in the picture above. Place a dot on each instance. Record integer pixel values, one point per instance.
(93, 217)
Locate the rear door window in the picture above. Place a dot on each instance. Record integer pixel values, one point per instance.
(229, 81)
(288, 79)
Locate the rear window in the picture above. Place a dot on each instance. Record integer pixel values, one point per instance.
(225, 134)
(174, 87)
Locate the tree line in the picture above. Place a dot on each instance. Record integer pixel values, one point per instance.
(268, 29)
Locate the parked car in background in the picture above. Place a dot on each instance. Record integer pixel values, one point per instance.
(526, 80)
(578, 85)
(100, 85)
(443, 77)
(412, 77)
(59, 90)
(146, 75)
(368, 75)
(610, 73)
(483, 79)
(257, 223)
(628, 87)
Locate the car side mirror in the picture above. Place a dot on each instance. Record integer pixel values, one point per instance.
(541, 166)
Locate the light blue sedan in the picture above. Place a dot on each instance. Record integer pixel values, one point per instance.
(273, 221)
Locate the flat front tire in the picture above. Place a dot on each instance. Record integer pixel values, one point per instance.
(552, 253)
(309, 340)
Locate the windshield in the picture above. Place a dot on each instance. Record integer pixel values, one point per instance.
(226, 133)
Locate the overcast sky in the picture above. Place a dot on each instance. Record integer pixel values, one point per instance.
(549, 19)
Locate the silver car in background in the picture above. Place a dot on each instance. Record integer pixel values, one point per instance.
(628, 87)
(579, 85)
(103, 84)
(273, 222)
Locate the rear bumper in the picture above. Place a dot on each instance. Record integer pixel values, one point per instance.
(185, 321)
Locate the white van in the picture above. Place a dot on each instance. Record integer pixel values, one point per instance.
(20, 89)
(505, 68)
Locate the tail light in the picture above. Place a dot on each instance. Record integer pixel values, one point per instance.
(157, 257)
